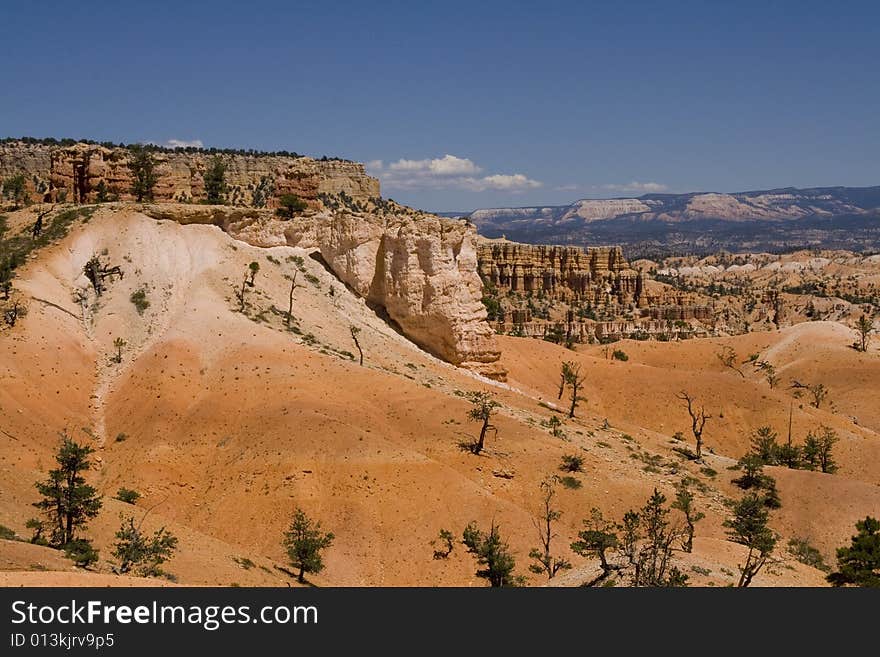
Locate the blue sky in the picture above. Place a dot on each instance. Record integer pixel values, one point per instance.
(465, 105)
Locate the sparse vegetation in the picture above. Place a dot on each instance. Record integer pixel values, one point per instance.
(97, 271)
(215, 181)
(15, 190)
(446, 541)
(864, 328)
(575, 381)
(118, 343)
(142, 554)
(483, 405)
(729, 359)
(493, 553)
(597, 539)
(748, 527)
(859, 563)
(684, 502)
(140, 301)
(546, 563)
(620, 355)
(290, 205)
(127, 495)
(355, 331)
(305, 542)
(144, 177)
(68, 502)
(817, 391)
(572, 463)
(808, 555)
(698, 416)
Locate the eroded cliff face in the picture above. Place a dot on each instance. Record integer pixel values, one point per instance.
(599, 275)
(419, 268)
(78, 173)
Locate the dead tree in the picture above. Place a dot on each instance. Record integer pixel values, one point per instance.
(241, 294)
(12, 315)
(96, 271)
(728, 358)
(698, 421)
(354, 336)
(576, 381)
(817, 390)
(290, 300)
(37, 229)
(546, 562)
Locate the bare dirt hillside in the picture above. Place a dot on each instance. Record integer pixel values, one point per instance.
(225, 421)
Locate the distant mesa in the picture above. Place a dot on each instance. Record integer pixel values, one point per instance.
(772, 220)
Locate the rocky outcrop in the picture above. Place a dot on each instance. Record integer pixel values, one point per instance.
(418, 268)
(80, 172)
(599, 276)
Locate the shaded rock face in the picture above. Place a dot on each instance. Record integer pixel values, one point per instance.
(76, 173)
(421, 269)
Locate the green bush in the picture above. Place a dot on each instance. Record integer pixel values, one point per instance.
(572, 463)
(804, 552)
(140, 301)
(127, 495)
(81, 552)
(619, 355)
(8, 534)
(290, 205)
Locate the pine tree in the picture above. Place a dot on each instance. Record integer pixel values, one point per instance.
(684, 502)
(493, 553)
(859, 564)
(304, 542)
(143, 173)
(68, 502)
(215, 181)
(748, 527)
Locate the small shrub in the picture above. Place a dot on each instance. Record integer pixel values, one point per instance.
(244, 562)
(8, 534)
(570, 482)
(619, 355)
(572, 463)
(121, 437)
(290, 205)
(81, 552)
(140, 301)
(127, 495)
(804, 552)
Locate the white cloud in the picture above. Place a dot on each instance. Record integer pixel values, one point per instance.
(183, 143)
(447, 172)
(448, 165)
(515, 182)
(635, 186)
(567, 188)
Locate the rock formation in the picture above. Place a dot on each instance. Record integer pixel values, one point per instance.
(419, 269)
(77, 173)
(598, 275)
(572, 294)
